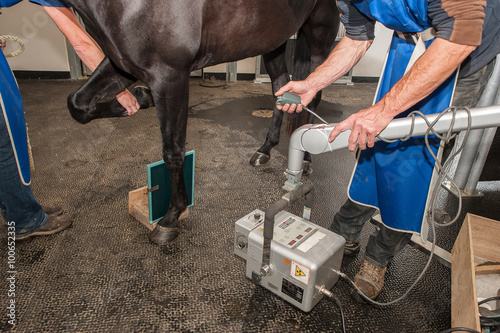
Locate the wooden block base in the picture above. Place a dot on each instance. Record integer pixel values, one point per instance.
(138, 207)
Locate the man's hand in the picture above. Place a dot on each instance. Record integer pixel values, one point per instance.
(128, 101)
(365, 125)
(300, 88)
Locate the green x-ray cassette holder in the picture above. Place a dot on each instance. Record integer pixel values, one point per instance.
(159, 186)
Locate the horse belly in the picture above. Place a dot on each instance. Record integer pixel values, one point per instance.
(235, 30)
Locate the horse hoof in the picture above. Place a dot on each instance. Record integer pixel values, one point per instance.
(259, 159)
(163, 236)
(184, 214)
(306, 168)
(143, 96)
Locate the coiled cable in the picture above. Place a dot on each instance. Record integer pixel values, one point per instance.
(16, 39)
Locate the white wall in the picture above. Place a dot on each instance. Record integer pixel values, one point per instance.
(45, 44)
(243, 66)
(371, 64)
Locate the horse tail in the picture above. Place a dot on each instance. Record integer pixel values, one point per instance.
(301, 69)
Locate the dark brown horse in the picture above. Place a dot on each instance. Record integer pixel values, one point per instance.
(160, 42)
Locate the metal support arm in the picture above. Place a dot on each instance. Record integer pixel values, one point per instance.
(314, 138)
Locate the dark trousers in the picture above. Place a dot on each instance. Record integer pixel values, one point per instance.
(17, 203)
(384, 243)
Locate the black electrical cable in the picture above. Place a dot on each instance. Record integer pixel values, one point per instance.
(490, 321)
(486, 300)
(339, 304)
(485, 321)
(459, 329)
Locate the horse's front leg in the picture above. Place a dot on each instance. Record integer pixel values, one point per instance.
(172, 110)
(107, 80)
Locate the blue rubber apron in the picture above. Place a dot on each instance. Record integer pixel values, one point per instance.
(395, 177)
(12, 109)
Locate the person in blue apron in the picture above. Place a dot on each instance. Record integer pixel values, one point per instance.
(25, 217)
(432, 40)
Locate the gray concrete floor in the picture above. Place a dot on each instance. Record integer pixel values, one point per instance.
(103, 274)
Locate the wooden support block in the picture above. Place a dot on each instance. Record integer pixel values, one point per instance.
(488, 269)
(138, 206)
(478, 238)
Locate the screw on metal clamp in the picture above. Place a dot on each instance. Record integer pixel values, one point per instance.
(266, 270)
(322, 290)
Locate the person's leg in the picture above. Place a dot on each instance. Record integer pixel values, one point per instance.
(382, 245)
(349, 222)
(469, 89)
(18, 202)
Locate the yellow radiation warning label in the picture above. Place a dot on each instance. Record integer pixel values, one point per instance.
(300, 272)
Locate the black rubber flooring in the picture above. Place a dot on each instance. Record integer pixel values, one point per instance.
(103, 274)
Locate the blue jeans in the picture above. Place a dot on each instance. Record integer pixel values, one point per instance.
(16, 199)
(384, 243)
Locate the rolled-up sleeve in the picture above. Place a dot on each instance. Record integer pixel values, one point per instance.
(459, 21)
(357, 25)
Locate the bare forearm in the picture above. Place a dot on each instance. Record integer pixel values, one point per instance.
(344, 56)
(439, 61)
(85, 47)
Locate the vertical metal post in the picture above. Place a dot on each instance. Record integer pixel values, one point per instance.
(470, 151)
(484, 149)
(231, 71)
(75, 65)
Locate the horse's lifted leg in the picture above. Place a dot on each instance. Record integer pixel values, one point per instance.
(276, 67)
(107, 80)
(172, 110)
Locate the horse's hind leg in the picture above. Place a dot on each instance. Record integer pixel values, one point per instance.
(107, 80)
(276, 67)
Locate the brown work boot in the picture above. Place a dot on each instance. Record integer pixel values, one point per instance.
(351, 248)
(54, 224)
(370, 280)
(52, 210)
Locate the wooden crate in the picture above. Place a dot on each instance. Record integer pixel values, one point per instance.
(478, 238)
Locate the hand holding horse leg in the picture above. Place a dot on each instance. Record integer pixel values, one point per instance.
(128, 101)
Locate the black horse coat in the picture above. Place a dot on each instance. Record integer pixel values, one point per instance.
(160, 42)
